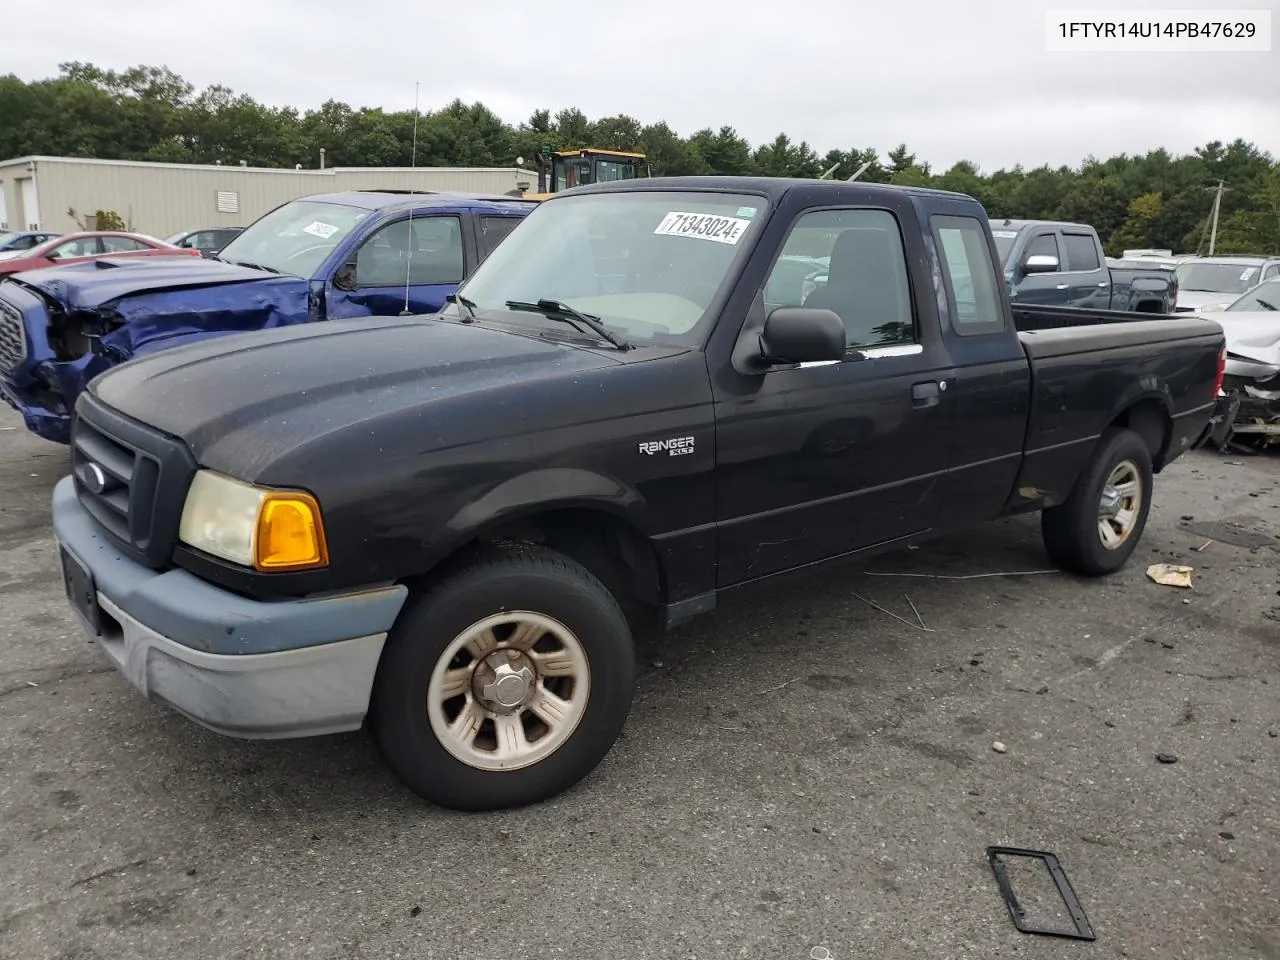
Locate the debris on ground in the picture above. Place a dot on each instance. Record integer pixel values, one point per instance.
(1233, 531)
(1167, 757)
(1170, 574)
(890, 613)
(999, 747)
(996, 857)
(967, 576)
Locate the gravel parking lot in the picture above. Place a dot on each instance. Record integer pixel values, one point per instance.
(802, 770)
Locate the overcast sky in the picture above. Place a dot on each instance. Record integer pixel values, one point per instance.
(948, 81)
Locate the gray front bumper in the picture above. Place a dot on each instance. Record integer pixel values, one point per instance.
(307, 666)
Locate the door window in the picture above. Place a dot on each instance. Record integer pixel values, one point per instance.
(84, 247)
(851, 262)
(121, 245)
(424, 251)
(1045, 245)
(1082, 252)
(970, 275)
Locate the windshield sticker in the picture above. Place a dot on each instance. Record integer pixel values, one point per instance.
(747, 212)
(322, 230)
(1248, 274)
(1004, 234)
(704, 226)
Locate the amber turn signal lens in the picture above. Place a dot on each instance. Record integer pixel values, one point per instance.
(290, 533)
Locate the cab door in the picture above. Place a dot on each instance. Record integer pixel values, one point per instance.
(420, 259)
(819, 460)
(1047, 287)
(1086, 270)
(991, 386)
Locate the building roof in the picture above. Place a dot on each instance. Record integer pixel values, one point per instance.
(232, 167)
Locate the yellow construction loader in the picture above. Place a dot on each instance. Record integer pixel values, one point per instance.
(564, 169)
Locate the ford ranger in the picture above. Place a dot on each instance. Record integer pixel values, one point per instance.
(324, 257)
(449, 526)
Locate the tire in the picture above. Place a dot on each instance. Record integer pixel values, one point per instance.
(1072, 530)
(586, 655)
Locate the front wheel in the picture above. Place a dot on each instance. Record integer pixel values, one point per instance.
(1098, 527)
(506, 683)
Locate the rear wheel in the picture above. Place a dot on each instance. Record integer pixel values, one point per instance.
(504, 684)
(1098, 527)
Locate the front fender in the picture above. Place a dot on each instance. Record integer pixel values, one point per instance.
(156, 321)
(552, 488)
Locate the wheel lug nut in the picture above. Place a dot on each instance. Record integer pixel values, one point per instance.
(513, 655)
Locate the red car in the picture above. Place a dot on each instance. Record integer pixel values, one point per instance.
(79, 247)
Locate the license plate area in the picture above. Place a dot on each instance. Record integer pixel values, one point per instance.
(82, 592)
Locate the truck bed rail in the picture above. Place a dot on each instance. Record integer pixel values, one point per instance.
(1028, 317)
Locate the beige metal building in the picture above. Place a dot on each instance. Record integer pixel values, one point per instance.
(63, 194)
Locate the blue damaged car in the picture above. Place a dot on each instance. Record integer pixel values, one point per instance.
(324, 257)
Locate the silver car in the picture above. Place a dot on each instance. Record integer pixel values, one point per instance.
(1210, 283)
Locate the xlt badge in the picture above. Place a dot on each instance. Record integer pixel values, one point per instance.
(676, 446)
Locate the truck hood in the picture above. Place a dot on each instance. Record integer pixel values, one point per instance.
(95, 283)
(159, 302)
(1199, 299)
(242, 403)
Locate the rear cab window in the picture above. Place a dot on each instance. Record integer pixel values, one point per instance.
(493, 229)
(969, 275)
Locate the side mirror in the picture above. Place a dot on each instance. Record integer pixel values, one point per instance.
(1041, 263)
(345, 278)
(802, 335)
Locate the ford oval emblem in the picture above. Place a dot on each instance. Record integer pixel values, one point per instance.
(94, 478)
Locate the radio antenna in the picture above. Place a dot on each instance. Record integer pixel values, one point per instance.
(413, 166)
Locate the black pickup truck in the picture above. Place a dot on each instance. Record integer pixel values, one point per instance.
(1052, 263)
(450, 526)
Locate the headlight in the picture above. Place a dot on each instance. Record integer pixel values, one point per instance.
(259, 527)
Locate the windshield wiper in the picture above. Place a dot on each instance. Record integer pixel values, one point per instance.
(251, 266)
(1266, 306)
(559, 310)
(466, 304)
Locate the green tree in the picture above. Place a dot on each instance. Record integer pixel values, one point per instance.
(1144, 212)
(151, 113)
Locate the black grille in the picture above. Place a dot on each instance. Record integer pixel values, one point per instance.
(13, 337)
(131, 478)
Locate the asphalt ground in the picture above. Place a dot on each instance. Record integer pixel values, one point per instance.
(807, 773)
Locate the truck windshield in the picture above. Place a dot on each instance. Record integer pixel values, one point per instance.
(646, 264)
(1004, 243)
(1264, 297)
(294, 239)
(1217, 277)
